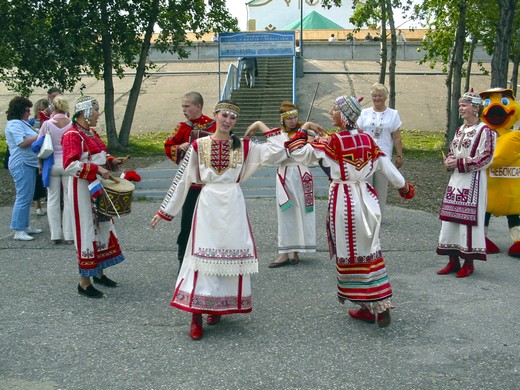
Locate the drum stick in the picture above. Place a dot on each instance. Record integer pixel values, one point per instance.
(114, 179)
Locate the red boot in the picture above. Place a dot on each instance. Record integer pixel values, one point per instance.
(452, 266)
(514, 250)
(362, 314)
(196, 326)
(466, 270)
(213, 319)
(491, 247)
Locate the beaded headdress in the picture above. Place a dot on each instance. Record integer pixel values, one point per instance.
(86, 104)
(226, 106)
(288, 114)
(349, 108)
(472, 98)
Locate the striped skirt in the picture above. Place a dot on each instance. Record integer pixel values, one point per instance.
(365, 283)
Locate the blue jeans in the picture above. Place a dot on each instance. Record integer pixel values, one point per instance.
(24, 177)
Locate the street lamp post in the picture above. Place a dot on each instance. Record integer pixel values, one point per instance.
(301, 28)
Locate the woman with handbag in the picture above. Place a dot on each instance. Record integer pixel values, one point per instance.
(23, 165)
(84, 158)
(55, 178)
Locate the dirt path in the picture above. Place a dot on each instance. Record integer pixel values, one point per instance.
(420, 99)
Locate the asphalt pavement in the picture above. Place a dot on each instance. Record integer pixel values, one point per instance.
(446, 333)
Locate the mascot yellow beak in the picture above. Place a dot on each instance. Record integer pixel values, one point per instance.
(501, 111)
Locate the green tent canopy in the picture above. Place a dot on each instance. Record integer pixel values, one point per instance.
(314, 21)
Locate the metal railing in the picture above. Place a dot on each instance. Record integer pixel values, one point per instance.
(232, 81)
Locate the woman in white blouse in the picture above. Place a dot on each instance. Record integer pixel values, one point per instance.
(383, 124)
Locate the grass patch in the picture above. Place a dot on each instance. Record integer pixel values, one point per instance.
(416, 144)
(423, 143)
(145, 144)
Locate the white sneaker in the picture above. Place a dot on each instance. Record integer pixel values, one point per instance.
(32, 230)
(40, 212)
(22, 236)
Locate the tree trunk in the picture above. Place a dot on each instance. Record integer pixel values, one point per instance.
(126, 126)
(500, 59)
(393, 55)
(458, 59)
(113, 142)
(467, 86)
(383, 53)
(514, 75)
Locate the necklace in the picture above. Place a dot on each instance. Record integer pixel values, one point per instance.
(378, 128)
(468, 128)
(84, 130)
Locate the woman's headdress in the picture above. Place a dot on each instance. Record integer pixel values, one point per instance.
(227, 106)
(349, 108)
(86, 105)
(472, 98)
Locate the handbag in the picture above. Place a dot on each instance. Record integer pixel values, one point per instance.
(47, 149)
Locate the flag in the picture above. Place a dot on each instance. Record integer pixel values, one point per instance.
(95, 188)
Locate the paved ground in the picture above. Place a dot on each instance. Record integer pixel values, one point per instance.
(420, 99)
(446, 333)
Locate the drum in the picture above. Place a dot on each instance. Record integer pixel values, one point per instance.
(116, 200)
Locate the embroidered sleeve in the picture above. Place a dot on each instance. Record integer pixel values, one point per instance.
(484, 153)
(176, 194)
(72, 150)
(178, 136)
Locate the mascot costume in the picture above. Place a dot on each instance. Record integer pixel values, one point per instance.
(501, 112)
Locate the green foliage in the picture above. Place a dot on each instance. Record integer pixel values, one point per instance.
(423, 143)
(3, 148)
(147, 144)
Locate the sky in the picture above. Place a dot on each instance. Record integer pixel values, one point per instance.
(238, 10)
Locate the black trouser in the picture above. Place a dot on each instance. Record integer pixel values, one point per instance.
(187, 216)
(512, 220)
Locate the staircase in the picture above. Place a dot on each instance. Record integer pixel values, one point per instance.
(273, 85)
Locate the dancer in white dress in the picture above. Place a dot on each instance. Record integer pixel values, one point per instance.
(464, 204)
(294, 195)
(221, 254)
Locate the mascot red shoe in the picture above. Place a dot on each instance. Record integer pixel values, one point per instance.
(501, 112)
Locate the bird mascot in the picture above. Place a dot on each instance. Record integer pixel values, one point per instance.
(501, 112)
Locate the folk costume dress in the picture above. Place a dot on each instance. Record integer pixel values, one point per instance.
(295, 200)
(94, 235)
(464, 204)
(350, 158)
(221, 254)
(187, 131)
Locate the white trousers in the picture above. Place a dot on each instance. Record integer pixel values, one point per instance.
(380, 184)
(60, 222)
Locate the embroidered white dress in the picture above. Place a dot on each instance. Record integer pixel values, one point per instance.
(295, 199)
(464, 204)
(221, 252)
(350, 158)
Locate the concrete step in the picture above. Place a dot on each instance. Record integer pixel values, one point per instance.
(273, 85)
(156, 181)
